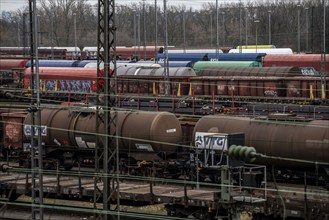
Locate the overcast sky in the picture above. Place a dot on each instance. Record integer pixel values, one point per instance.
(8, 5)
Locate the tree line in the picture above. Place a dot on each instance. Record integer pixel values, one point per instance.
(281, 23)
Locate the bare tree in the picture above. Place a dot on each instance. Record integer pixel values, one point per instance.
(57, 20)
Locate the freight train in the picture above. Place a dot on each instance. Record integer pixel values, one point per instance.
(212, 84)
(275, 84)
(290, 145)
(266, 84)
(70, 135)
(243, 156)
(317, 61)
(43, 53)
(272, 56)
(87, 53)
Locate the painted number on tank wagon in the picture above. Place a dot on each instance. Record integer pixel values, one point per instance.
(213, 141)
(28, 130)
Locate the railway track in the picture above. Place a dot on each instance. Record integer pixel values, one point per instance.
(182, 107)
(55, 209)
(78, 188)
(70, 195)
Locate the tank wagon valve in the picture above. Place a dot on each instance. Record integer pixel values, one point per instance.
(243, 153)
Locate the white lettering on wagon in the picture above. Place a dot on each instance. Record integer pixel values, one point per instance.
(80, 142)
(146, 147)
(28, 130)
(212, 141)
(173, 130)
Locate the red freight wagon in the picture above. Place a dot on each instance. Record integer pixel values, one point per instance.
(11, 70)
(142, 53)
(251, 71)
(9, 64)
(55, 80)
(12, 131)
(239, 86)
(299, 60)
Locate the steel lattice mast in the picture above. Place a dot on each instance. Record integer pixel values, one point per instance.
(35, 131)
(106, 152)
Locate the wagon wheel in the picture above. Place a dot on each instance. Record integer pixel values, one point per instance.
(175, 212)
(68, 161)
(203, 215)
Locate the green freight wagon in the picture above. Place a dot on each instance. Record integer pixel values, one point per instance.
(203, 64)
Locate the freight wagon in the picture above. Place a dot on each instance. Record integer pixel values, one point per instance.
(55, 63)
(263, 50)
(300, 60)
(150, 81)
(287, 154)
(305, 140)
(205, 64)
(128, 53)
(64, 83)
(11, 71)
(254, 46)
(70, 134)
(46, 53)
(260, 84)
(194, 57)
(81, 82)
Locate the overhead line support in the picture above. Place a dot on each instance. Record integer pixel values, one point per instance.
(36, 139)
(106, 151)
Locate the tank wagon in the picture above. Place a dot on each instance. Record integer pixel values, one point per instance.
(67, 135)
(70, 135)
(299, 140)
